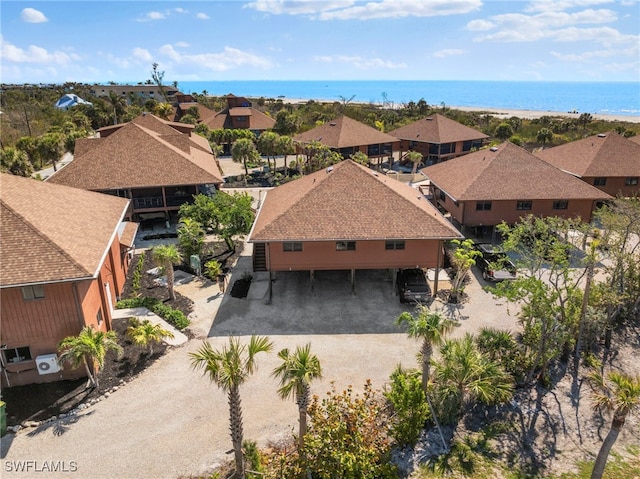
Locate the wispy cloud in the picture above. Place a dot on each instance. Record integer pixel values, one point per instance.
(31, 15)
(448, 52)
(359, 62)
(163, 15)
(229, 58)
(350, 10)
(202, 16)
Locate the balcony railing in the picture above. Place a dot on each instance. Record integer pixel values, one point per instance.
(156, 201)
(148, 202)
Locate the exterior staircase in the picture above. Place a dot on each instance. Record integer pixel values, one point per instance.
(259, 257)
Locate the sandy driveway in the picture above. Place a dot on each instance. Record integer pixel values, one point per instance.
(171, 421)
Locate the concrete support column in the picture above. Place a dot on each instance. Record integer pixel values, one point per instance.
(394, 275)
(311, 279)
(353, 281)
(438, 260)
(270, 297)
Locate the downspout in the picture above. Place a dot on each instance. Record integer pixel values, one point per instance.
(78, 306)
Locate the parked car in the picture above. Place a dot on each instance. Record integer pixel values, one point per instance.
(412, 286)
(493, 263)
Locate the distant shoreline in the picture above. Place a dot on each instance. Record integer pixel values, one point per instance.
(506, 112)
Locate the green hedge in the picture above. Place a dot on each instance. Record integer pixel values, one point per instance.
(173, 316)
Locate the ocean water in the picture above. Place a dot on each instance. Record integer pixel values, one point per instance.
(608, 98)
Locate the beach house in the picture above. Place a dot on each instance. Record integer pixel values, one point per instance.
(64, 256)
(157, 164)
(348, 217)
(608, 161)
(438, 138)
(504, 183)
(348, 136)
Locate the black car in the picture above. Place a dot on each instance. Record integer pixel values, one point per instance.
(412, 286)
(494, 264)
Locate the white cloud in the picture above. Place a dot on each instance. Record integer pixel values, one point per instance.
(34, 54)
(297, 7)
(202, 16)
(480, 25)
(31, 15)
(350, 10)
(181, 44)
(142, 54)
(359, 62)
(227, 59)
(561, 5)
(152, 16)
(180, 10)
(447, 52)
(555, 26)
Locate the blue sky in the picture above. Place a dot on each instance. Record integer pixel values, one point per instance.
(101, 41)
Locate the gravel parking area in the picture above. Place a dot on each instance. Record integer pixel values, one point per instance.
(172, 421)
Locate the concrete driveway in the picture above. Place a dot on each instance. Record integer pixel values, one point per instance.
(171, 421)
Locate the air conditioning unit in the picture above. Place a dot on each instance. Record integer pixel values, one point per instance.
(47, 364)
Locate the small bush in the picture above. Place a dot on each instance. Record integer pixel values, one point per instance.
(173, 316)
(410, 410)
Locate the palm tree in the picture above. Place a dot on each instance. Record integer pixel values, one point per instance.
(15, 161)
(244, 150)
(145, 333)
(415, 158)
(296, 373)
(166, 256)
(431, 328)
(464, 374)
(164, 110)
(229, 368)
(620, 393)
(90, 348)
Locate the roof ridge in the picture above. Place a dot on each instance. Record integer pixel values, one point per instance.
(46, 238)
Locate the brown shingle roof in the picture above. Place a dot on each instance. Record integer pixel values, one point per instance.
(437, 129)
(507, 172)
(348, 202)
(604, 155)
(135, 156)
(345, 132)
(635, 139)
(222, 119)
(53, 232)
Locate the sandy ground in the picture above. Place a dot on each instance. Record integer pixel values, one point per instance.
(171, 420)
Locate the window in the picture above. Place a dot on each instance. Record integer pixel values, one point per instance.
(599, 181)
(292, 246)
(345, 245)
(17, 355)
(99, 317)
(442, 196)
(394, 244)
(524, 205)
(483, 206)
(631, 181)
(560, 205)
(33, 292)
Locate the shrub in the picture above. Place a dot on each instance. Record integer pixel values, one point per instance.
(173, 316)
(410, 410)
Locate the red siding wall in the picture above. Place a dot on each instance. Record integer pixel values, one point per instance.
(615, 185)
(322, 255)
(66, 308)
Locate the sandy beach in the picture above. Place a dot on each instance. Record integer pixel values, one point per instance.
(508, 113)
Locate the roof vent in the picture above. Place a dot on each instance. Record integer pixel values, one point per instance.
(429, 118)
(329, 169)
(494, 148)
(602, 135)
(332, 123)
